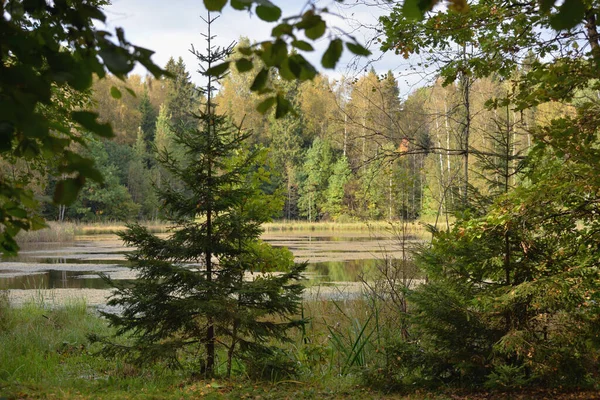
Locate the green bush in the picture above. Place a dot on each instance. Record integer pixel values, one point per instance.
(273, 365)
(407, 366)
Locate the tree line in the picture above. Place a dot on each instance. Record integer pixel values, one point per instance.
(353, 149)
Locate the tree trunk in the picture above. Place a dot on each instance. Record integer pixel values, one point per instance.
(466, 87)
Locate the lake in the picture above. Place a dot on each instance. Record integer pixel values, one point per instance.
(58, 271)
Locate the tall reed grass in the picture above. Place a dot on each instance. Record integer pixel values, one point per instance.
(67, 231)
(414, 228)
(55, 232)
(114, 227)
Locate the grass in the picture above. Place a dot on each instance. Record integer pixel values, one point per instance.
(285, 225)
(113, 227)
(55, 232)
(68, 231)
(413, 228)
(45, 354)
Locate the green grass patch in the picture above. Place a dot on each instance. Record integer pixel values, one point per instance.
(46, 354)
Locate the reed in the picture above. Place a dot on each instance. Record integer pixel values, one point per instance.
(68, 231)
(114, 227)
(55, 232)
(415, 229)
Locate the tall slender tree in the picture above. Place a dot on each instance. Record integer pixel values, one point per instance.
(148, 117)
(211, 283)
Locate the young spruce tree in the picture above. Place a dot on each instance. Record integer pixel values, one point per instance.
(210, 287)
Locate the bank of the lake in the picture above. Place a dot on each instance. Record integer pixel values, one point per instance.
(68, 231)
(46, 355)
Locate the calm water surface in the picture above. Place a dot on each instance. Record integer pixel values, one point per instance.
(345, 257)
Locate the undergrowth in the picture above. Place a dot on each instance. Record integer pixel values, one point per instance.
(46, 354)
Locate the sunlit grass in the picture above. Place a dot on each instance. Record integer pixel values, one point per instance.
(113, 227)
(394, 228)
(68, 231)
(324, 226)
(55, 232)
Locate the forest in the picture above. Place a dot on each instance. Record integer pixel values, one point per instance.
(352, 151)
(496, 159)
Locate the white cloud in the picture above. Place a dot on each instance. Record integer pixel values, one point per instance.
(171, 27)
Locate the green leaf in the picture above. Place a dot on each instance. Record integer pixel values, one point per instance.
(87, 119)
(569, 15)
(246, 51)
(241, 4)
(7, 133)
(27, 199)
(286, 72)
(282, 29)
(92, 12)
(260, 80)
(332, 54)
(17, 212)
(115, 92)
(67, 190)
(358, 49)
(268, 13)
(36, 126)
(37, 223)
(244, 65)
(316, 31)
(218, 70)
(301, 67)
(302, 45)
(283, 106)
(131, 92)
(12, 229)
(411, 10)
(115, 60)
(266, 104)
(214, 5)
(274, 53)
(88, 170)
(546, 5)
(32, 6)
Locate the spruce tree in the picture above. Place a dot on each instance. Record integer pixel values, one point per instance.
(182, 96)
(148, 117)
(211, 285)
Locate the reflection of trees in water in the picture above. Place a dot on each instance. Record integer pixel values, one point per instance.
(343, 271)
(37, 281)
(54, 279)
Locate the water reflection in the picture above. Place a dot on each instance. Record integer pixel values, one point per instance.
(54, 279)
(321, 272)
(345, 257)
(342, 271)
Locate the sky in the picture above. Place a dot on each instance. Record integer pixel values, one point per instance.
(171, 27)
